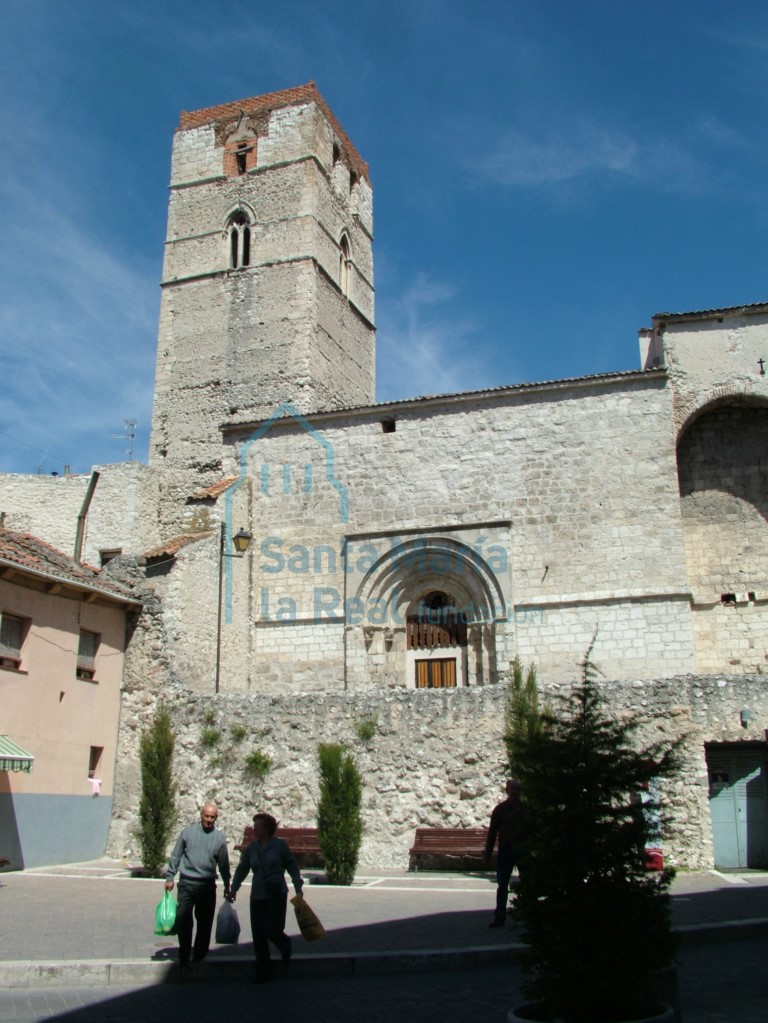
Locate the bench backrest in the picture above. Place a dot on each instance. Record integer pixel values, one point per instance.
(301, 838)
(448, 836)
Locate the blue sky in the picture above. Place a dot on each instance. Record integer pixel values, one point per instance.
(547, 175)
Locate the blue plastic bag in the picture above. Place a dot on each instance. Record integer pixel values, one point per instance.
(227, 925)
(165, 914)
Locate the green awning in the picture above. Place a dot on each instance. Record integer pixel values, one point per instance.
(13, 757)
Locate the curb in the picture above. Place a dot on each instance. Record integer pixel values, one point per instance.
(724, 930)
(127, 972)
(141, 972)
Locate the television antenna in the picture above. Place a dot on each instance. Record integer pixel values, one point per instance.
(129, 425)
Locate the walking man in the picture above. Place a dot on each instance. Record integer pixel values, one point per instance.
(200, 849)
(508, 825)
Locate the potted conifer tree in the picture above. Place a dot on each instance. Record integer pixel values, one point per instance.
(595, 920)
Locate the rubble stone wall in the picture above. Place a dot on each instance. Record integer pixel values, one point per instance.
(436, 757)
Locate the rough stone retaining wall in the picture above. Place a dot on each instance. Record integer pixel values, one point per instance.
(436, 757)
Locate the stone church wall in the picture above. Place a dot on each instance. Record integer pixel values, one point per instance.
(580, 481)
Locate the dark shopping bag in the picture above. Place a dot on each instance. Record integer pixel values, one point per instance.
(308, 921)
(165, 914)
(227, 925)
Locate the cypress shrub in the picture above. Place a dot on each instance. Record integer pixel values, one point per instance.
(157, 807)
(523, 715)
(339, 821)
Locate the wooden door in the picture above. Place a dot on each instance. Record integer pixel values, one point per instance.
(439, 673)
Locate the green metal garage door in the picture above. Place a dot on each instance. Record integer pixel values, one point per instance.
(738, 800)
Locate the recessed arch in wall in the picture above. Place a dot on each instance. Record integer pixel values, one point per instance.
(722, 465)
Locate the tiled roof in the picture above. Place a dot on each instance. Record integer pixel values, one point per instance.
(308, 93)
(215, 490)
(30, 554)
(170, 548)
(708, 314)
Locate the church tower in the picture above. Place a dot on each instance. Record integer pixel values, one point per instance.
(267, 291)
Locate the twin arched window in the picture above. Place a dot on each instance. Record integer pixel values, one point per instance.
(239, 237)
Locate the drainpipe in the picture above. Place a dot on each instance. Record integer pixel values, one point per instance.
(83, 515)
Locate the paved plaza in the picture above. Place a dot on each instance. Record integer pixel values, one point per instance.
(77, 945)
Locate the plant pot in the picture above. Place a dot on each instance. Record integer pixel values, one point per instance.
(531, 1013)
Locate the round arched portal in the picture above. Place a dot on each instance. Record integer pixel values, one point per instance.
(440, 611)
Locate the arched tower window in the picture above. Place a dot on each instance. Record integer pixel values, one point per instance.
(344, 265)
(239, 235)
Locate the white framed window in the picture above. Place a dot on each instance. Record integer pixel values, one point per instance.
(86, 655)
(13, 632)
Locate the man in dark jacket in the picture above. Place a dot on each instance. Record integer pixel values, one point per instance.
(201, 849)
(508, 825)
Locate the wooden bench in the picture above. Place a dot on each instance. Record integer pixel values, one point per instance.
(464, 844)
(303, 843)
(468, 844)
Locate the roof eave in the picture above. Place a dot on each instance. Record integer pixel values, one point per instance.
(52, 577)
(431, 400)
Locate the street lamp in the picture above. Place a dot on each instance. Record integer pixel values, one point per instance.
(241, 542)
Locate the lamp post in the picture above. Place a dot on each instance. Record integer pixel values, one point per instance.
(241, 541)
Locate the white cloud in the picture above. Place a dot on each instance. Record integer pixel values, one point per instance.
(77, 328)
(520, 158)
(584, 150)
(424, 348)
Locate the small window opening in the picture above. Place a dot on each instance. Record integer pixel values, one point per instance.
(729, 599)
(344, 262)
(94, 760)
(86, 655)
(12, 630)
(353, 179)
(240, 158)
(109, 555)
(388, 425)
(336, 153)
(751, 596)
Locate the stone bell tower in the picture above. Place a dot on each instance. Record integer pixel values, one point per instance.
(267, 291)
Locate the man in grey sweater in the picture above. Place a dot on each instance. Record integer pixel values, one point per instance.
(200, 849)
